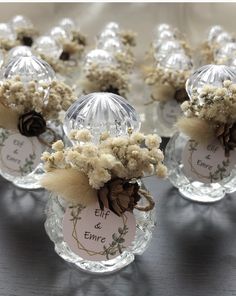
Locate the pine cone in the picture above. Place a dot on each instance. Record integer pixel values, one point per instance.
(119, 196)
(181, 95)
(31, 124)
(226, 133)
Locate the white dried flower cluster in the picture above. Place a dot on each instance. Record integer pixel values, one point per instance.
(160, 75)
(125, 157)
(7, 44)
(206, 52)
(217, 104)
(26, 32)
(106, 79)
(125, 61)
(48, 99)
(128, 37)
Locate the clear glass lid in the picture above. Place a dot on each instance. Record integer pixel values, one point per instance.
(113, 26)
(167, 47)
(107, 34)
(226, 51)
(68, 25)
(213, 32)
(20, 22)
(46, 45)
(6, 32)
(101, 112)
(113, 45)
(19, 51)
(29, 69)
(161, 27)
(177, 61)
(99, 57)
(223, 38)
(213, 75)
(60, 35)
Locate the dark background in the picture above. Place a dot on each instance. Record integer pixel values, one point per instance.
(192, 252)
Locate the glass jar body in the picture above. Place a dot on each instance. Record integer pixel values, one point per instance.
(32, 180)
(189, 188)
(55, 211)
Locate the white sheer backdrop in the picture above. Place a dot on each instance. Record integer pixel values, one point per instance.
(191, 18)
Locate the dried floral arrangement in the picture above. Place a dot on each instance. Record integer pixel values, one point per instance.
(75, 47)
(215, 117)
(105, 79)
(28, 107)
(206, 52)
(106, 172)
(7, 44)
(72, 52)
(128, 37)
(167, 84)
(27, 35)
(125, 60)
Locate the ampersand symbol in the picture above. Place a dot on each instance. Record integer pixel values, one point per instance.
(98, 226)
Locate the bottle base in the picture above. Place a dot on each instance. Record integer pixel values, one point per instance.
(197, 194)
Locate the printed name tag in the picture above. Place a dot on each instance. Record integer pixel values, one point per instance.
(97, 235)
(19, 155)
(207, 162)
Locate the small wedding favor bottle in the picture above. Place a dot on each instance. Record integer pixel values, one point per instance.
(24, 29)
(166, 81)
(62, 47)
(108, 67)
(99, 215)
(30, 104)
(201, 157)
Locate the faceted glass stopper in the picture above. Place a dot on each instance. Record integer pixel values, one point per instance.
(29, 69)
(177, 61)
(102, 112)
(20, 22)
(163, 27)
(19, 51)
(213, 75)
(1, 58)
(111, 45)
(68, 25)
(60, 35)
(113, 26)
(223, 38)
(163, 36)
(47, 46)
(214, 32)
(99, 57)
(167, 47)
(226, 51)
(107, 34)
(6, 32)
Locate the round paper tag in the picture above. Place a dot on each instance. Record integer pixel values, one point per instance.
(19, 155)
(169, 112)
(97, 235)
(207, 162)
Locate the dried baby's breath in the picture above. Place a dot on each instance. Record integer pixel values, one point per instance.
(105, 79)
(48, 99)
(219, 103)
(125, 157)
(160, 75)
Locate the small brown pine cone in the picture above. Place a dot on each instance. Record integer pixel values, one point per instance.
(181, 95)
(119, 196)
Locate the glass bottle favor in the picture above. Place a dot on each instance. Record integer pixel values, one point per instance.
(167, 92)
(31, 102)
(201, 157)
(104, 235)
